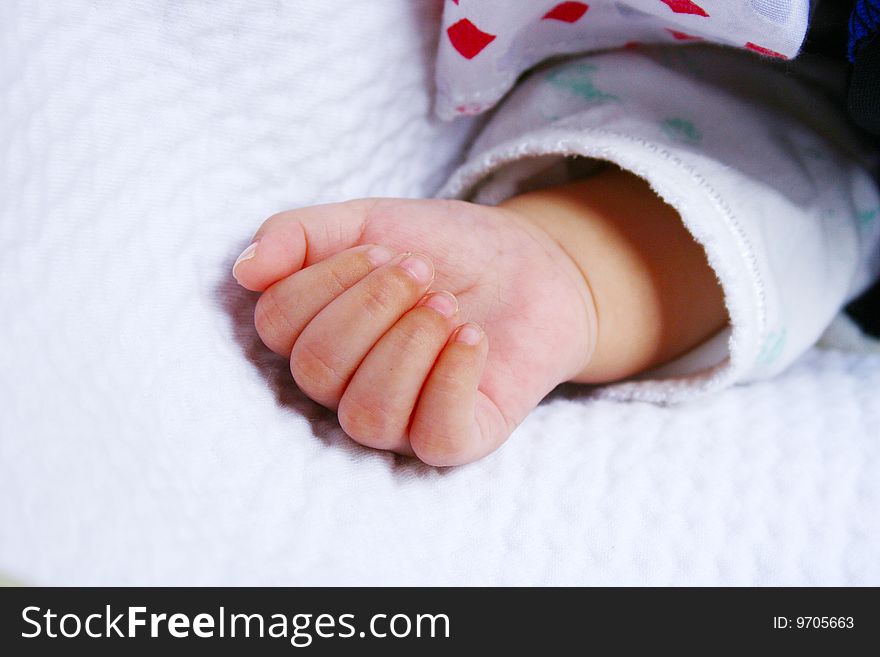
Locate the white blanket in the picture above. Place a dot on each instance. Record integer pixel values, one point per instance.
(147, 438)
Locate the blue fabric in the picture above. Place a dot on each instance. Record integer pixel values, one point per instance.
(863, 24)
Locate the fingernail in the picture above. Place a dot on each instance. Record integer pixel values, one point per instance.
(419, 267)
(247, 254)
(379, 255)
(469, 334)
(443, 302)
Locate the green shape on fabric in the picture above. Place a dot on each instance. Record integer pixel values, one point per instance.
(578, 80)
(773, 347)
(552, 117)
(681, 130)
(866, 216)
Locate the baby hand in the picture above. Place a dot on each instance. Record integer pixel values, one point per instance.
(351, 296)
(365, 339)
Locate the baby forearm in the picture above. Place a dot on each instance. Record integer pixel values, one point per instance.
(654, 294)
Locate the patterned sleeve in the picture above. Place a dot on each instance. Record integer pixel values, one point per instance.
(486, 44)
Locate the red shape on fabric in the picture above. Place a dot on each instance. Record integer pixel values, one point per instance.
(470, 109)
(455, 1)
(683, 36)
(632, 45)
(685, 7)
(764, 51)
(468, 39)
(567, 12)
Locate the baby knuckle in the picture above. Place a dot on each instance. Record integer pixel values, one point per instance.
(414, 337)
(368, 424)
(263, 321)
(336, 283)
(316, 372)
(272, 324)
(379, 300)
(435, 446)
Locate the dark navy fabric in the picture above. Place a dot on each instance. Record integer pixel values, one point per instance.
(864, 23)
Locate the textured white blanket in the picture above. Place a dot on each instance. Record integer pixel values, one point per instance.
(145, 435)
